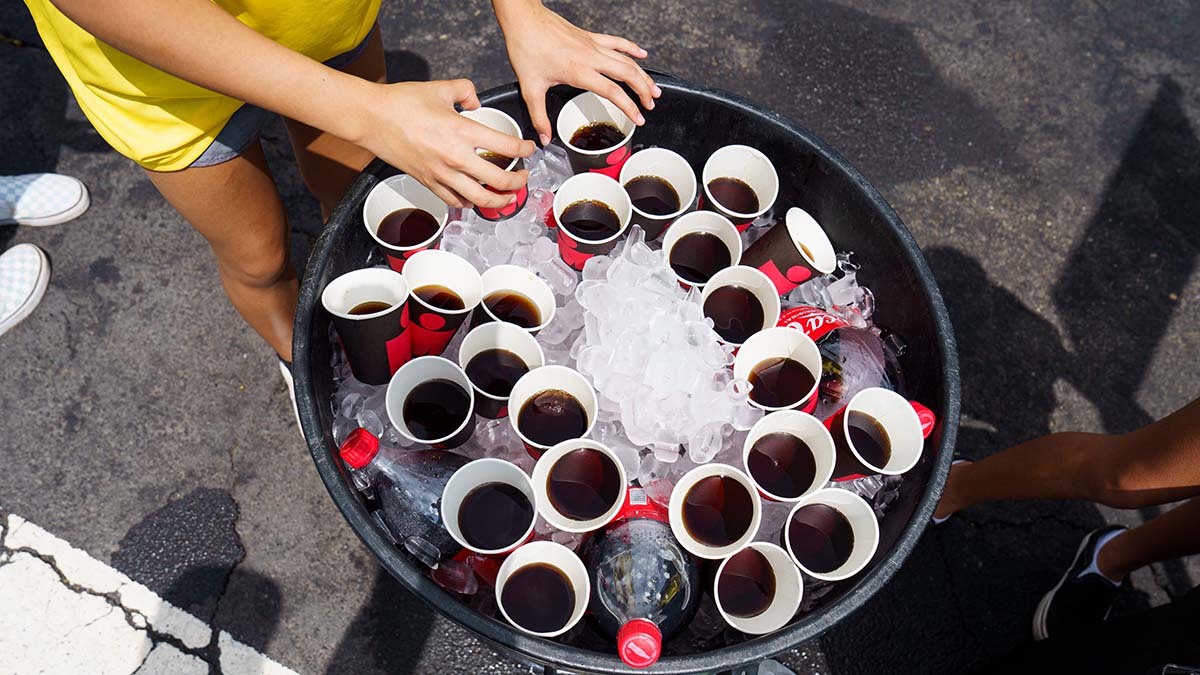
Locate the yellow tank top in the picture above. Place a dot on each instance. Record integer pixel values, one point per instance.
(160, 121)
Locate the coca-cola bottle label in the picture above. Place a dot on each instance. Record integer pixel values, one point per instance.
(638, 505)
(814, 322)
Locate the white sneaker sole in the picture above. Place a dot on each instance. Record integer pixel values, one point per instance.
(35, 298)
(1043, 608)
(59, 218)
(291, 388)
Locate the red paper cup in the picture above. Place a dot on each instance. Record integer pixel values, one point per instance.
(583, 110)
(672, 169)
(783, 343)
(549, 378)
(792, 252)
(433, 327)
(541, 477)
(707, 222)
(899, 420)
(498, 335)
(574, 250)
(396, 193)
(476, 474)
(376, 344)
(745, 164)
(500, 121)
(808, 429)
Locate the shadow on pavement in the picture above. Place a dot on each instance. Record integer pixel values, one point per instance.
(387, 635)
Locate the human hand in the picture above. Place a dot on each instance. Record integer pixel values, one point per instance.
(413, 126)
(546, 49)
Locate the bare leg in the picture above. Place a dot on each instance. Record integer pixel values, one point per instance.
(1156, 464)
(329, 164)
(1174, 534)
(237, 208)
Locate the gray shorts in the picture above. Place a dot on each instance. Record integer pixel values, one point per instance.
(248, 121)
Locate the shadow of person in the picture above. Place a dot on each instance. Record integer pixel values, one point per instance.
(387, 635)
(406, 66)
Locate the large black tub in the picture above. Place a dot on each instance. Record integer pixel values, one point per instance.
(694, 121)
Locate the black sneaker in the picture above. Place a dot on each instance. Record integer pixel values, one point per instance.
(1079, 600)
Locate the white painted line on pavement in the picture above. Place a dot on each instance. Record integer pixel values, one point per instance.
(64, 612)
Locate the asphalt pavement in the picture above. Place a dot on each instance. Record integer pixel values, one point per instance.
(1045, 155)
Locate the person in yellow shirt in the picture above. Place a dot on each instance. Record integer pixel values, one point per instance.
(182, 88)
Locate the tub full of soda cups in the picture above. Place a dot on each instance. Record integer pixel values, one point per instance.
(566, 408)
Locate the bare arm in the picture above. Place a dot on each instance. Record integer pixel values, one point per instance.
(411, 125)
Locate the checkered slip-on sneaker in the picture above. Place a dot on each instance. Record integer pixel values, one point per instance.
(24, 273)
(39, 199)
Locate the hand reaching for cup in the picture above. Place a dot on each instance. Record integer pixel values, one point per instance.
(546, 49)
(414, 127)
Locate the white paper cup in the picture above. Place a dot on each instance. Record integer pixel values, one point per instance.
(520, 280)
(862, 521)
(402, 192)
(898, 419)
(709, 222)
(748, 165)
(544, 379)
(541, 483)
(475, 474)
(676, 508)
(498, 335)
(500, 121)
(589, 187)
(424, 369)
(588, 108)
(804, 427)
(789, 588)
(783, 343)
(752, 280)
(562, 559)
(670, 167)
(376, 344)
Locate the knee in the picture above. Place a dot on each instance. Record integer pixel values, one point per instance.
(259, 269)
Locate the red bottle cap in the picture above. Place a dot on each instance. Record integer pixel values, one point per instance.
(639, 642)
(360, 448)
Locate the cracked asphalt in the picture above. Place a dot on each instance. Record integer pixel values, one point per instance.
(1044, 154)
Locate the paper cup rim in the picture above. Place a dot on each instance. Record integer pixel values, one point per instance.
(755, 151)
(442, 254)
(675, 510)
(566, 138)
(800, 341)
(669, 241)
(541, 476)
(860, 504)
(373, 272)
(762, 282)
(797, 219)
(906, 410)
(531, 494)
(513, 415)
(593, 177)
(579, 569)
(799, 417)
(473, 115)
(537, 346)
(373, 231)
(388, 398)
(684, 205)
(741, 623)
(484, 293)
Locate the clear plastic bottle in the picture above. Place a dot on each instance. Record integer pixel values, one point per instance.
(645, 586)
(408, 488)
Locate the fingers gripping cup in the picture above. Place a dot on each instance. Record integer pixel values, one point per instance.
(879, 431)
(783, 367)
(740, 183)
(494, 356)
(495, 119)
(741, 301)
(714, 511)
(792, 252)
(596, 133)
(831, 534)
(700, 244)
(788, 454)
(515, 295)
(444, 289)
(489, 506)
(550, 405)
(758, 589)
(370, 314)
(592, 212)
(404, 217)
(661, 187)
(429, 401)
(543, 589)
(580, 485)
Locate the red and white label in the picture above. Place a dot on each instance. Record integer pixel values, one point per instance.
(813, 322)
(638, 505)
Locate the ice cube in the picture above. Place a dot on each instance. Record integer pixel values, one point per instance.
(705, 443)
(560, 277)
(370, 421)
(773, 667)
(423, 550)
(543, 250)
(629, 456)
(522, 256)
(352, 405)
(666, 453)
(624, 274)
(596, 268)
(660, 490)
(569, 539)
(635, 238)
(456, 577)
(745, 416)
